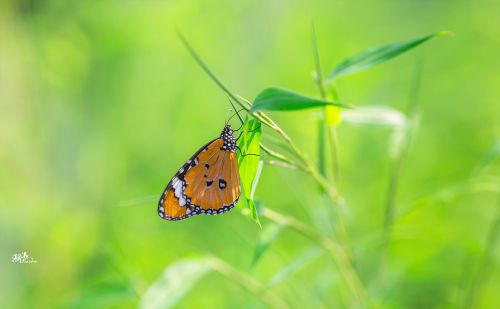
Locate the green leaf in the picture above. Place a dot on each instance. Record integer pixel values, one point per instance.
(254, 214)
(267, 237)
(174, 283)
(248, 162)
(279, 99)
(375, 55)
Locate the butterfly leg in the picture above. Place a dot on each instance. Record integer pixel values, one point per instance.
(246, 154)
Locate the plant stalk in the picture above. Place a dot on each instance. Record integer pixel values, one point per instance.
(249, 283)
(345, 268)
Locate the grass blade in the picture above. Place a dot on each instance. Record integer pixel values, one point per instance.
(279, 99)
(267, 237)
(373, 56)
(322, 128)
(485, 263)
(174, 283)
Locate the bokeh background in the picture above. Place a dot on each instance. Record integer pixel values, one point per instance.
(100, 104)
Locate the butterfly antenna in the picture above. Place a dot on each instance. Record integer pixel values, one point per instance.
(228, 117)
(236, 111)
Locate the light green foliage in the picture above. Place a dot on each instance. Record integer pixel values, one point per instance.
(278, 99)
(248, 162)
(376, 55)
(394, 205)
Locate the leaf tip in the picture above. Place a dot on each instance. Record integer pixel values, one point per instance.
(445, 33)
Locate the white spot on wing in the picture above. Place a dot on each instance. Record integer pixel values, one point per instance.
(177, 185)
(182, 201)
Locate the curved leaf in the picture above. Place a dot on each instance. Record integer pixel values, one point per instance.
(248, 162)
(279, 99)
(375, 55)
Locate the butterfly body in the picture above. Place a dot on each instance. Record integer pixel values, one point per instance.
(208, 183)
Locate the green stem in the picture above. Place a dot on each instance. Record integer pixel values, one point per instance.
(397, 165)
(334, 139)
(249, 283)
(318, 78)
(485, 261)
(391, 201)
(345, 268)
(279, 156)
(398, 161)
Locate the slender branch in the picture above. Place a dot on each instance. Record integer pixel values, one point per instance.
(346, 269)
(318, 78)
(275, 154)
(319, 73)
(282, 164)
(398, 161)
(323, 131)
(485, 261)
(396, 169)
(334, 137)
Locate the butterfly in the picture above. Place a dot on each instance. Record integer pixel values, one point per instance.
(208, 183)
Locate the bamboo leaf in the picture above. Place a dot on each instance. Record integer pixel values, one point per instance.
(248, 162)
(279, 99)
(375, 55)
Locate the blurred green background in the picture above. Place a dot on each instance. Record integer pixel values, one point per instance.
(100, 104)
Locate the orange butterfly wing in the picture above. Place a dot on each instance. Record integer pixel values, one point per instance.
(172, 204)
(208, 183)
(170, 209)
(213, 186)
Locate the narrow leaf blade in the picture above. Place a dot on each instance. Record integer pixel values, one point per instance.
(375, 55)
(248, 162)
(279, 99)
(267, 237)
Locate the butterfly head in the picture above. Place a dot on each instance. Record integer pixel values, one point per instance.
(228, 138)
